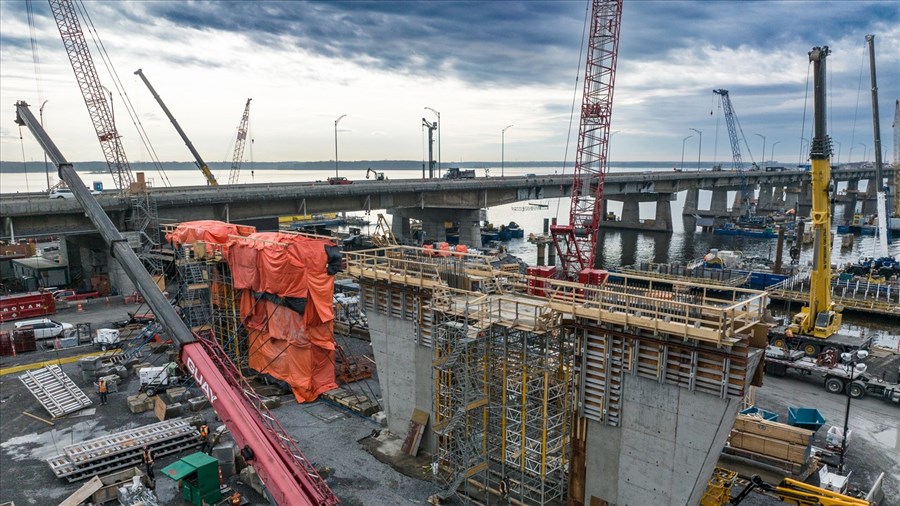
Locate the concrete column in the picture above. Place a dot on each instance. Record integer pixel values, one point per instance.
(469, 227)
(778, 197)
(631, 212)
(870, 204)
(435, 231)
(738, 203)
(691, 201)
(805, 200)
(400, 226)
(719, 203)
(764, 202)
(664, 212)
(792, 199)
(665, 448)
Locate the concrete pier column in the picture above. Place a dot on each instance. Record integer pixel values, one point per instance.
(764, 202)
(805, 203)
(663, 219)
(691, 201)
(792, 199)
(400, 226)
(435, 231)
(469, 227)
(778, 197)
(631, 212)
(869, 205)
(719, 203)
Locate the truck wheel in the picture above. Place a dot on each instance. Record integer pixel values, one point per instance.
(856, 390)
(103, 348)
(778, 342)
(811, 350)
(834, 385)
(150, 391)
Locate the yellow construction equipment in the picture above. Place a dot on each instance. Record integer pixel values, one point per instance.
(789, 491)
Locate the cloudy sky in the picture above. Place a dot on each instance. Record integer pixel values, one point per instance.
(482, 64)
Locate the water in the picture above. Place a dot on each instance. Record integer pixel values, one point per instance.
(619, 247)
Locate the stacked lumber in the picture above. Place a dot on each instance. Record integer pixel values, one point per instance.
(776, 444)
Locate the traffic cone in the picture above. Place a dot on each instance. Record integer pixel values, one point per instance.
(79, 308)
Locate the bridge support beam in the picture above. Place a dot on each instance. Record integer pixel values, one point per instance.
(870, 205)
(400, 227)
(631, 213)
(792, 199)
(778, 197)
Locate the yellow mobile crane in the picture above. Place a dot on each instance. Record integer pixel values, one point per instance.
(817, 324)
(210, 178)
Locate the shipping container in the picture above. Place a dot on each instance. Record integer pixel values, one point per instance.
(26, 305)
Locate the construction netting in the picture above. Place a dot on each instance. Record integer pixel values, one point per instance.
(287, 287)
(210, 231)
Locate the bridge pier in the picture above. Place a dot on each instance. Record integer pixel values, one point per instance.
(631, 213)
(870, 204)
(719, 203)
(433, 220)
(805, 203)
(778, 197)
(691, 202)
(764, 202)
(792, 199)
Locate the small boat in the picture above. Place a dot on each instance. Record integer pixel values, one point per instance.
(732, 229)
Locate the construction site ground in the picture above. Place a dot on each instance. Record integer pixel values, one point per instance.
(362, 462)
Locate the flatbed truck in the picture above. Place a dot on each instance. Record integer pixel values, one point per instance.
(836, 378)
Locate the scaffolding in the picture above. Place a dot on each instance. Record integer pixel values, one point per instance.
(520, 363)
(225, 307)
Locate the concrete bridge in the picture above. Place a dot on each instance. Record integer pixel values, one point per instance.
(432, 201)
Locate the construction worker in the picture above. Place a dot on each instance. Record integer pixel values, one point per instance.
(235, 499)
(147, 458)
(101, 389)
(204, 438)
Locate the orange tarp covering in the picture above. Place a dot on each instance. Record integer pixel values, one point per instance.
(214, 231)
(293, 347)
(309, 369)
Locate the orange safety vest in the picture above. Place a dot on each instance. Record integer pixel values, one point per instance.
(204, 431)
(101, 387)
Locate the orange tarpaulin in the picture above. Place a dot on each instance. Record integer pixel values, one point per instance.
(213, 231)
(286, 304)
(308, 369)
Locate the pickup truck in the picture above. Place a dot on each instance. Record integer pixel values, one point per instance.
(72, 295)
(339, 180)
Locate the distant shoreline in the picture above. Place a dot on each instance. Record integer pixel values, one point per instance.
(10, 167)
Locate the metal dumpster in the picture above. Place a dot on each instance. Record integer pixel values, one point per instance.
(805, 418)
(766, 415)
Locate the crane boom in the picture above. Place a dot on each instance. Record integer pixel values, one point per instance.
(576, 242)
(819, 318)
(289, 477)
(92, 91)
(731, 121)
(210, 178)
(238, 158)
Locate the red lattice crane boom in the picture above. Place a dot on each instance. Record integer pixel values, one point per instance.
(238, 158)
(576, 243)
(94, 97)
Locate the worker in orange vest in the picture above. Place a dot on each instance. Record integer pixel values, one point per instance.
(204, 438)
(235, 499)
(101, 389)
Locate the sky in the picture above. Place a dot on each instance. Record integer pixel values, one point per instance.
(483, 65)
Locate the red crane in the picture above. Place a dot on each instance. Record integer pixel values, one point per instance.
(89, 83)
(576, 242)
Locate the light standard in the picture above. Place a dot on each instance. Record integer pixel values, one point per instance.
(502, 147)
(342, 116)
(839, 151)
(803, 141)
(852, 390)
(46, 167)
(764, 148)
(773, 149)
(699, 146)
(439, 124)
(865, 149)
(682, 150)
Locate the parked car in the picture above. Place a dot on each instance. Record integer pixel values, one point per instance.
(66, 193)
(45, 328)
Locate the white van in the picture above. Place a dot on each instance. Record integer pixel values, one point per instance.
(45, 328)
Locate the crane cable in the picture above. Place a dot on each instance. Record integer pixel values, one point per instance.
(578, 71)
(120, 89)
(805, 106)
(862, 62)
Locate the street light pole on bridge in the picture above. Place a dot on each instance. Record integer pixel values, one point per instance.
(336, 143)
(502, 147)
(699, 146)
(682, 150)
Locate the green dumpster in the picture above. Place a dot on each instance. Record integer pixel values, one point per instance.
(198, 478)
